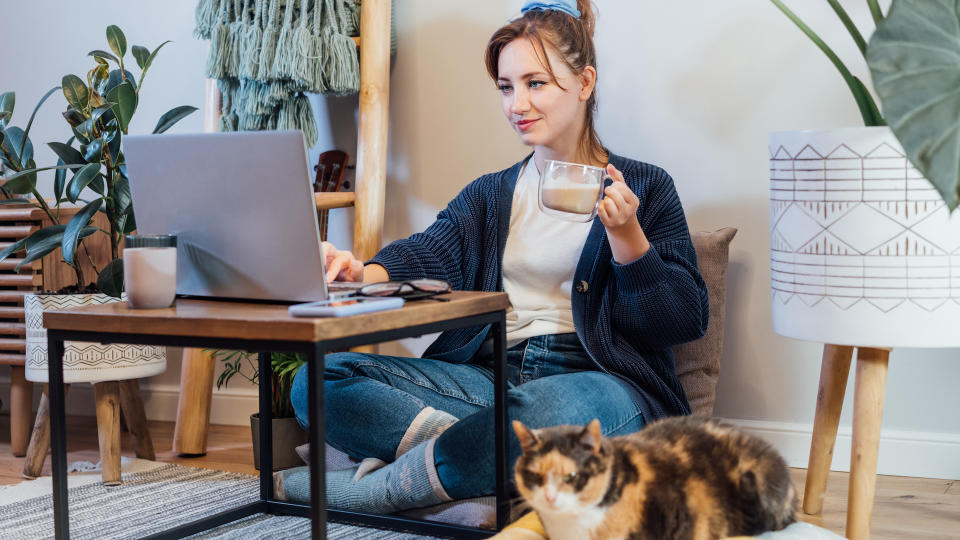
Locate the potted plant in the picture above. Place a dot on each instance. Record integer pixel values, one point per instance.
(287, 434)
(861, 235)
(99, 110)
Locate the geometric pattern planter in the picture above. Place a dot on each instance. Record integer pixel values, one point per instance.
(863, 250)
(85, 362)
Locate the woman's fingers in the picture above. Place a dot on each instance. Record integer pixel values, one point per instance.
(615, 173)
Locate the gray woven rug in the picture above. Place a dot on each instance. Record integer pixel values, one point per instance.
(158, 499)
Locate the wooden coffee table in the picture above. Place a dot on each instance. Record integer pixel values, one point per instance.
(268, 328)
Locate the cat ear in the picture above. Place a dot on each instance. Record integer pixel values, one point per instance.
(590, 437)
(526, 436)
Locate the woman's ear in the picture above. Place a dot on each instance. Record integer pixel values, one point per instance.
(588, 82)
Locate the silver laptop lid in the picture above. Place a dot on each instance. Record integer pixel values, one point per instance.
(242, 207)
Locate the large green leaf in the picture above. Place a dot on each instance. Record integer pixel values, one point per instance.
(93, 152)
(80, 180)
(39, 245)
(66, 152)
(116, 78)
(72, 233)
(121, 195)
(7, 102)
(154, 55)
(76, 91)
(103, 54)
(124, 99)
(140, 54)
(23, 182)
(110, 281)
(17, 147)
(914, 57)
(116, 39)
(173, 116)
(19, 245)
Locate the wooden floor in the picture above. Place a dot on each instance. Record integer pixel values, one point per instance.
(904, 507)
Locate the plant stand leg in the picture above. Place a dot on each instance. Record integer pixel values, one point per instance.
(21, 405)
(193, 406)
(868, 397)
(834, 370)
(107, 397)
(40, 437)
(131, 407)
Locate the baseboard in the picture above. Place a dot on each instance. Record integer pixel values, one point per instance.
(228, 407)
(902, 453)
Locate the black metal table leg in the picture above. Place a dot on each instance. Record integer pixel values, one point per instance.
(500, 420)
(318, 482)
(266, 426)
(58, 439)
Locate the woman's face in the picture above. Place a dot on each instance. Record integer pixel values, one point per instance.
(541, 112)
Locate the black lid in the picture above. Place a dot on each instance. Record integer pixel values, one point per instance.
(150, 241)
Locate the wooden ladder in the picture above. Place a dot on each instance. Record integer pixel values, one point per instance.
(196, 375)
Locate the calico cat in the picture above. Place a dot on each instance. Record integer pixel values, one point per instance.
(678, 478)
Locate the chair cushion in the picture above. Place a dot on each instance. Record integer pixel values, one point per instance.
(698, 362)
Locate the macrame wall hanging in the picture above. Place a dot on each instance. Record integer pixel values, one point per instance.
(266, 54)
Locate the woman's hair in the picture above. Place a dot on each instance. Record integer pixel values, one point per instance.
(571, 39)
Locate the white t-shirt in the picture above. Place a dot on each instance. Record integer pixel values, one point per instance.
(539, 261)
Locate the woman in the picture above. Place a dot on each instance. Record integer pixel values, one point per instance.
(596, 349)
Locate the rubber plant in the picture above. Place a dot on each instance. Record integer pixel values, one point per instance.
(914, 60)
(99, 111)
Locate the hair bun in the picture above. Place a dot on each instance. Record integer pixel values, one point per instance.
(587, 18)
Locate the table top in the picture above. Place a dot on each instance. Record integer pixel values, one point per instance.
(259, 321)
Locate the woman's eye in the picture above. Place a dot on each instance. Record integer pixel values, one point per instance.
(537, 84)
(570, 478)
(505, 88)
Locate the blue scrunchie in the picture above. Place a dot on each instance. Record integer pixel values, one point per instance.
(567, 6)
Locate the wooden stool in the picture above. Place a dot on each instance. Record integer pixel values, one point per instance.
(21, 405)
(111, 398)
(867, 412)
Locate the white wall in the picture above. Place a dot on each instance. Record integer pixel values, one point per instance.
(693, 86)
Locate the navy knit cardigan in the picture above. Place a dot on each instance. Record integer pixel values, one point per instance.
(627, 316)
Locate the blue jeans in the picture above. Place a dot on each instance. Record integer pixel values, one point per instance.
(372, 399)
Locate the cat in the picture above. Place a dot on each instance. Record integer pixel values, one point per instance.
(678, 478)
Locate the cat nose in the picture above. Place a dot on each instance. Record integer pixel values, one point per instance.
(551, 497)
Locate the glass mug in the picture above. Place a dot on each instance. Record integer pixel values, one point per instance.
(571, 190)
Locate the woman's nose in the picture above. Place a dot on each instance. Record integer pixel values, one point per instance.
(521, 102)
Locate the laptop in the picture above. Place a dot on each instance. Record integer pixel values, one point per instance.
(242, 207)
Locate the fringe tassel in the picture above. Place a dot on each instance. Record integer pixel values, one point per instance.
(250, 50)
(268, 45)
(296, 113)
(218, 63)
(304, 118)
(206, 18)
(341, 64)
(284, 49)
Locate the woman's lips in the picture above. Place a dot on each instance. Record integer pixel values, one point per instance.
(524, 125)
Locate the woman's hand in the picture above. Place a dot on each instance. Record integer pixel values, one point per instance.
(341, 265)
(618, 213)
(618, 209)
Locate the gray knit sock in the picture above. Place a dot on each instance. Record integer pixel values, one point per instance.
(409, 482)
(428, 424)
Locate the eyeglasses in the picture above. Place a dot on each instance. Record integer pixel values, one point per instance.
(414, 289)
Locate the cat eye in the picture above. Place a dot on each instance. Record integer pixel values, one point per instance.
(569, 478)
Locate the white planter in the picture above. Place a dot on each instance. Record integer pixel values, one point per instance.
(85, 362)
(863, 250)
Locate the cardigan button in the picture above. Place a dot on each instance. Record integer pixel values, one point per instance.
(583, 286)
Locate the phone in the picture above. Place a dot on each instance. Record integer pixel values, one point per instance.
(344, 307)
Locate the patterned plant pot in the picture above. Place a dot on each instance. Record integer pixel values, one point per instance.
(863, 251)
(85, 362)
